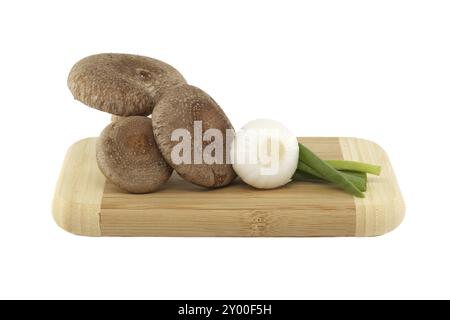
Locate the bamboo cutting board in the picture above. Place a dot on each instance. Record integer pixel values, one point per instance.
(86, 204)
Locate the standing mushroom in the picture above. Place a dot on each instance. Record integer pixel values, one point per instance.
(179, 108)
(128, 156)
(121, 84)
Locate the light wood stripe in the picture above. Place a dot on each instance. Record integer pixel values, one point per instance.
(383, 208)
(79, 191)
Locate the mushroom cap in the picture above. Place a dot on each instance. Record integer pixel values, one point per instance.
(121, 84)
(128, 156)
(178, 108)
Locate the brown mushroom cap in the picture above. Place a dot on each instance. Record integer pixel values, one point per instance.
(121, 84)
(128, 156)
(178, 108)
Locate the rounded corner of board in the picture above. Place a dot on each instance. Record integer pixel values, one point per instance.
(82, 142)
(77, 219)
(386, 218)
(383, 210)
(79, 190)
(361, 143)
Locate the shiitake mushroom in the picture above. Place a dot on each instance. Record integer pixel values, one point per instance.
(179, 108)
(128, 156)
(121, 84)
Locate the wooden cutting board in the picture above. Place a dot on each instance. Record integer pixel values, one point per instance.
(86, 204)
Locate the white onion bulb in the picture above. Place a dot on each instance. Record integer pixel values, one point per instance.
(265, 154)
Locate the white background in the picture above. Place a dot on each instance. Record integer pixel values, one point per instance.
(373, 69)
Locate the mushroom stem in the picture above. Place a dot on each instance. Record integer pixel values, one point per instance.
(115, 118)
